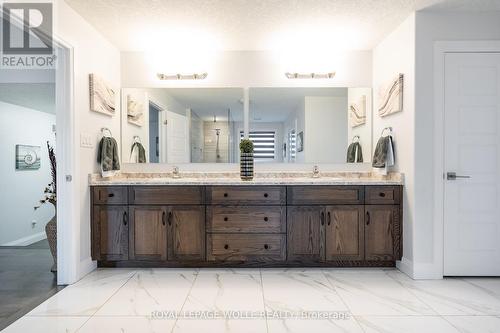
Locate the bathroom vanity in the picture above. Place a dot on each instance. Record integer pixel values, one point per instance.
(268, 222)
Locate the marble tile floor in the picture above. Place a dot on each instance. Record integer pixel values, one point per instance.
(267, 300)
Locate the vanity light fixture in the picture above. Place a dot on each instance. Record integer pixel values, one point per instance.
(194, 76)
(329, 75)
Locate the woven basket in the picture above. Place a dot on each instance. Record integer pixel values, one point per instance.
(51, 231)
(246, 166)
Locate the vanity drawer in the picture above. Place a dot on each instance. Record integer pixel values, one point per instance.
(325, 195)
(166, 195)
(246, 195)
(381, 195)
(109, 195)
(239, 247)
(254, 219)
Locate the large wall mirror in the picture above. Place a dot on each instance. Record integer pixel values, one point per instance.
(287, 125)
(311, 125)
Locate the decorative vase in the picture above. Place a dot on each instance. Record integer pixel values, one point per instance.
(51, 232)
(246, 166)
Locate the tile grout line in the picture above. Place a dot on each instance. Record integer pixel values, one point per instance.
(343, 301)
(185, 300)
(263, 299)
(107, 300)
(421, 300)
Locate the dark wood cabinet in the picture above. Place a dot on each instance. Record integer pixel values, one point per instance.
(110, 233)
(344, 233)
(187, 232)
(257, 226)
(305, 233)
(148, 233)
(381, 232)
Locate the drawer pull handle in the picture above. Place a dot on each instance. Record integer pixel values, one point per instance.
(225, 195)
(367, 218)
(382, 194)
(125, 218)
(266, 219)
(225, 218)
(163, 218)
(226, 246)
(266, 246)
(169, 218)
(266, 195)
(110, 195)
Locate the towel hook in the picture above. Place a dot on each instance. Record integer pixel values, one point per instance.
(387, 128)
(355, 137)
(104, 129)
(137, 138)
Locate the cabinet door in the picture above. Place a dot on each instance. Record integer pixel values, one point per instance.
(305, 228)
(110, 233)
(148, 233)
(380, 221)
(187, 232)
(344, 237)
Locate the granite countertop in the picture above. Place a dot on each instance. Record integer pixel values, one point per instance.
(232, 178)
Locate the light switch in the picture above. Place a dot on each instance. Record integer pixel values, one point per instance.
(86, 140)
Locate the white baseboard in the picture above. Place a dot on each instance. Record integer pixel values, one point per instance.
(86, 266)
(419, 271)
(405, 266)
(28, 240)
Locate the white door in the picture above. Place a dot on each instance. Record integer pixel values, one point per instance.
(177, 138)
(472, 152)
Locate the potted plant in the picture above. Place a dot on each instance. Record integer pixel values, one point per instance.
(246, 159)
(50, 196)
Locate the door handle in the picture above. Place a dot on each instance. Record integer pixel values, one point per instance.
(125, 218)
(367, 218)
(329, 218)
(454, 176)
(322, 218)
(169, 218)
(163, 219)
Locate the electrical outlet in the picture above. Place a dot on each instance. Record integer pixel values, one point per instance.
(86, 140)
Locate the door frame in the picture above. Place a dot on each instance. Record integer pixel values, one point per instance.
(441, 48)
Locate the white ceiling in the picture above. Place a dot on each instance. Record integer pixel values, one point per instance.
(36, 96)
(139, 25)
(276, 104)
(207, 102)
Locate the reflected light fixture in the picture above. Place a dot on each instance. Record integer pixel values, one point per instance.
(329, 75)
(194, 76)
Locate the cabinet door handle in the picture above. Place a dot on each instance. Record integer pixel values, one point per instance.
(266, 246)
(322, 217)
(266, 195)
(226, 246)
(125, 218)
(110, 195)
(170, 218)
(225, 195)
(163, 219)
(329, 218)
(225, 218)
(382, 194)
(266, 219)
(367, 218)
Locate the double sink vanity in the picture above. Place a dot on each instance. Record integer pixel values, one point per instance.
(217, 220)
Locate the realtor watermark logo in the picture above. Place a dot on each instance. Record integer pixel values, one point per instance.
(27, 41)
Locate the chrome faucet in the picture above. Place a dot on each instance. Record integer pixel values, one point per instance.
(176, 173)
(315, 172)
